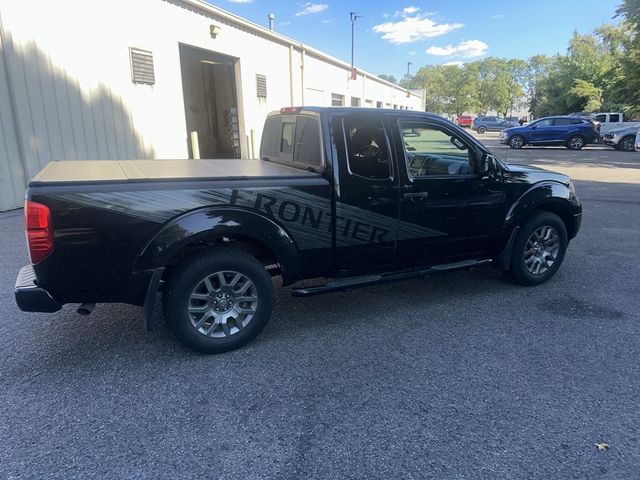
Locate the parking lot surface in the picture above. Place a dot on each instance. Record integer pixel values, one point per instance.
(458, 376)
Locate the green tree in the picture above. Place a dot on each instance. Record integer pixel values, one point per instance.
(388, 78)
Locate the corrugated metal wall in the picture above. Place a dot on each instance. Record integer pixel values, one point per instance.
(45, 115)
(12, 174)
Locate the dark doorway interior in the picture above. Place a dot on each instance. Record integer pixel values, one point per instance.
(210, 102)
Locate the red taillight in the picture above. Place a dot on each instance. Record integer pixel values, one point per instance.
(37, 224)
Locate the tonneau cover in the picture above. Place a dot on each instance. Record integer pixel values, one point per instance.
(110, 171)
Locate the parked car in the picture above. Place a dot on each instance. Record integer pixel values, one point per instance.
(638, 141)
(612, 121)
(464, 120)
(491, 124)
(365, 196)
(622, 138)
(573, 132)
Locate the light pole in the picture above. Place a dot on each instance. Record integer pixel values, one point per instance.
(354, 16)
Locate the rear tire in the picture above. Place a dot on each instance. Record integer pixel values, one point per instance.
(482, 130)
(575, 143)
(627, 144)
(218, 301)
(539, 249)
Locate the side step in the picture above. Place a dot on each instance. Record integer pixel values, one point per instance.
(367, 280)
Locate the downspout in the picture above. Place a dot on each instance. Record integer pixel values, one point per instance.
(302, 55)
(291, 75)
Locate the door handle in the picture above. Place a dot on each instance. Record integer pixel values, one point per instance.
(416, 195)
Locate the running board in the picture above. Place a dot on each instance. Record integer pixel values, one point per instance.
(367, 280)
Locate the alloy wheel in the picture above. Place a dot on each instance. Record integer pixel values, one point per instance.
(541, 250)
(222, 304)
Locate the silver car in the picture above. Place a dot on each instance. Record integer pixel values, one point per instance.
(622, 138)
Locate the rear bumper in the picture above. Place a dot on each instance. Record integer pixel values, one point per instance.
(30, 297)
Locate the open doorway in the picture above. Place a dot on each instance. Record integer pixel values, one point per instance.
(210, 102)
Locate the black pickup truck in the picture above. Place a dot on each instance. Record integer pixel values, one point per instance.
(357, 196)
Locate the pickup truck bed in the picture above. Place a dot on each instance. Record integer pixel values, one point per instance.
(124, 171)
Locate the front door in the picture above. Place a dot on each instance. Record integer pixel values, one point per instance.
(542, 131)
(367, 192)
(448, 211)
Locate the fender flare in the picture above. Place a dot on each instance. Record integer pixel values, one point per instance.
(215, 223)
(542, 193)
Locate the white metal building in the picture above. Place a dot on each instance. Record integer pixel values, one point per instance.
(131, 79)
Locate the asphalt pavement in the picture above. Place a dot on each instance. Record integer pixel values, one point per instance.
(458, 376)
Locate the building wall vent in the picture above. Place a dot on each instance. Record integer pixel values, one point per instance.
(261, 85)
(142, 66)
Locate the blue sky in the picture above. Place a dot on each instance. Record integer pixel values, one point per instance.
(392, 33)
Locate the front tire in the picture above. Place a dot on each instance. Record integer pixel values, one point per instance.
(627, 144)
(482, 130)
(218, 301)
(539, 249)
(575, 143)
(516, 142)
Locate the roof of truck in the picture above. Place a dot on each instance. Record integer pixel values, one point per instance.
(124, 171)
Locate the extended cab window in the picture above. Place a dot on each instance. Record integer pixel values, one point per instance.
(431, 151)
(367, 147)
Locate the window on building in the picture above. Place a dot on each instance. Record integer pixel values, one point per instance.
(355, 102)
(395, 106)
(378, 104)
(337, 100)
(367, 147)
(368, 103)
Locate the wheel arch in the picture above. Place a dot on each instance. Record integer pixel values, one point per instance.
(549, 196)
(205, 228)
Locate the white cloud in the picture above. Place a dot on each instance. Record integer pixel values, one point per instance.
(497, 16)
(413, 26)
(467, 49)
(456, 63)
(325, 20)
(285, 23)
(241, 1)
(412, 53)
(309, 8)
(385, 15)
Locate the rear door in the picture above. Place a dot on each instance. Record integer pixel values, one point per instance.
(447, 210)
(367, 192)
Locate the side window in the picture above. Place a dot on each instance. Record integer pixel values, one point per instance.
(614, 117)
(430, 150)
(367, 147)
(307, 146)
(601, 118)
(544, 123)
(562, 121)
